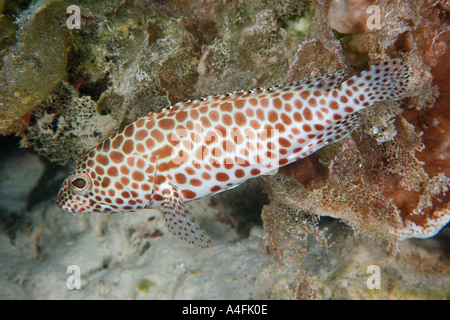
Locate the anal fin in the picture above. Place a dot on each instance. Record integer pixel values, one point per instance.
(180, 221)
(342, 128)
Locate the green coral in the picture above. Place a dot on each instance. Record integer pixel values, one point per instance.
(34, 67)
(145, 285)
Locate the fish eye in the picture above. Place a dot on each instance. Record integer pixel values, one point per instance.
(80, 183)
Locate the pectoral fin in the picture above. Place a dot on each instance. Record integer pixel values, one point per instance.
(180, 221)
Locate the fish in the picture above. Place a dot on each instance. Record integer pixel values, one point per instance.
(197, 148)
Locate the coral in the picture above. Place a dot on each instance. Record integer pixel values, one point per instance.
(349, 16)
(250, 50)
(163, 68)
(314, 57)
(32, 68)
(386, 181)
(389, 179)
(77, 129)
(132, 59)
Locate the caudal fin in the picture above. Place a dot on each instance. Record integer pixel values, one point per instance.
(385, 80)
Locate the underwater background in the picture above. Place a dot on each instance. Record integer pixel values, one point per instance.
(368, 210)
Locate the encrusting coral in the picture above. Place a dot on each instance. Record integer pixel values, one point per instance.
(390, 178)
(32, 68)
(130, 59)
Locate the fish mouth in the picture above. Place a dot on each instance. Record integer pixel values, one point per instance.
(60, 203)
(87, 205)
(85, 208)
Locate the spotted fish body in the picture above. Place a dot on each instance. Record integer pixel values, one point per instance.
(198, 148)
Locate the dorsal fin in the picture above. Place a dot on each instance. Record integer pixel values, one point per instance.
(323, 82)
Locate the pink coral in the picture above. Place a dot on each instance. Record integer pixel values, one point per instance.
(349, 16)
